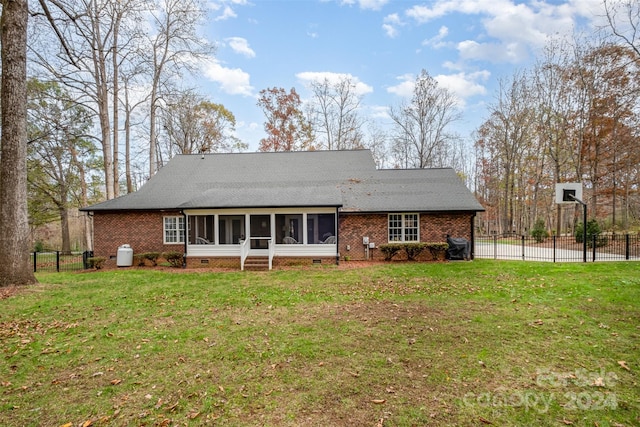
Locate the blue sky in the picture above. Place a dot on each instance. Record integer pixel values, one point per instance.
(467, 45)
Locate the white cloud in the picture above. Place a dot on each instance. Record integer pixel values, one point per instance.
(461, 85)
(494, 52)
(390, 25)
(437, 41)
(227, 13)
(366, 4)
(233, 81)
(511, 29)
(405, 87)
(227, 8)
(241, 46)
(333, 78)
(372, 4)
(379, 112)
(464, 85)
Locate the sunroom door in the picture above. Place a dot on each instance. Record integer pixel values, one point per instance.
(260, 226)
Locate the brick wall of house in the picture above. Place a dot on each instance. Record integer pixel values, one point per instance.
(142, 230)
(434, 227)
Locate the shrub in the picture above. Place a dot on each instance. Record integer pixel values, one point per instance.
(138, 259)
(539, 231)
(96, 262)
(413, 250)
(390, 249)
(437, 249)
(593, 228)
(152, 257)
(175, 259)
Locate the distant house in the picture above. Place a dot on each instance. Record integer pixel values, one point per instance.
(284, 208)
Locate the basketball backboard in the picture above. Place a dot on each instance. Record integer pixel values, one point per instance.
(568, 192)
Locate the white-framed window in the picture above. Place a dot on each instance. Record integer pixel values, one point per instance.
(404, 227)
(173, 229)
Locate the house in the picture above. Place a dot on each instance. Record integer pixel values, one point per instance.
(284, 207)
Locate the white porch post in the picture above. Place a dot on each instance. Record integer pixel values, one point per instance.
(305, 238)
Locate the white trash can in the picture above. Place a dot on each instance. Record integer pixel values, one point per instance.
(125, 256)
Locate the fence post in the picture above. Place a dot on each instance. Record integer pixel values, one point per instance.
(627, 246)
(58, 261)
(595, 239)
(35, 262)
(523, 247)
(495, 246)
(554, 248)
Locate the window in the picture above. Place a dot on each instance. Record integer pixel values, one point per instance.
(289, 229)
(321, 228)
(230, 229)
(403, 228)
(201, 230)
(173, 229)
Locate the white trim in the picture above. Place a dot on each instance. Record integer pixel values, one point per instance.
(164, 229)
(283, 250)
(403, 214)
(258, 211)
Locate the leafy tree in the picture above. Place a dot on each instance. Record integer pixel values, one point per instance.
(58, 155)
(194, 125)
(286, 126)
(15, 268)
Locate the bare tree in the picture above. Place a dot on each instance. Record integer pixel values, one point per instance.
(173, 45)
(554, 109)
(422, 124)
(15, 268)
(624, 20)
(90, 32)
(506, 136)
(335, 112)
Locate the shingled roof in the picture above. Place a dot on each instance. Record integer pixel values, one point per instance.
(345, 179)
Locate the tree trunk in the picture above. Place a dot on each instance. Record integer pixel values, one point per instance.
(64, 228)
(15, 268)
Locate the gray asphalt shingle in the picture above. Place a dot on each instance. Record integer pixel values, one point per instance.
(346, 179)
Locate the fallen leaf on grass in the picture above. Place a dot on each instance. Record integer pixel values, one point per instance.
(623, 365)
(172, 407)
(567, 422)
(116, 382)
(378, 401)
(67, 425)
(380, 423)
(485, 421)
(87, 423)
(193, 415)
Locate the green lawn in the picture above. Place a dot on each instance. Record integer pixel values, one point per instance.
(401, 344)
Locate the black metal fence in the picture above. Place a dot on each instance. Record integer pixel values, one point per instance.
(59, 261)
(600, 247)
